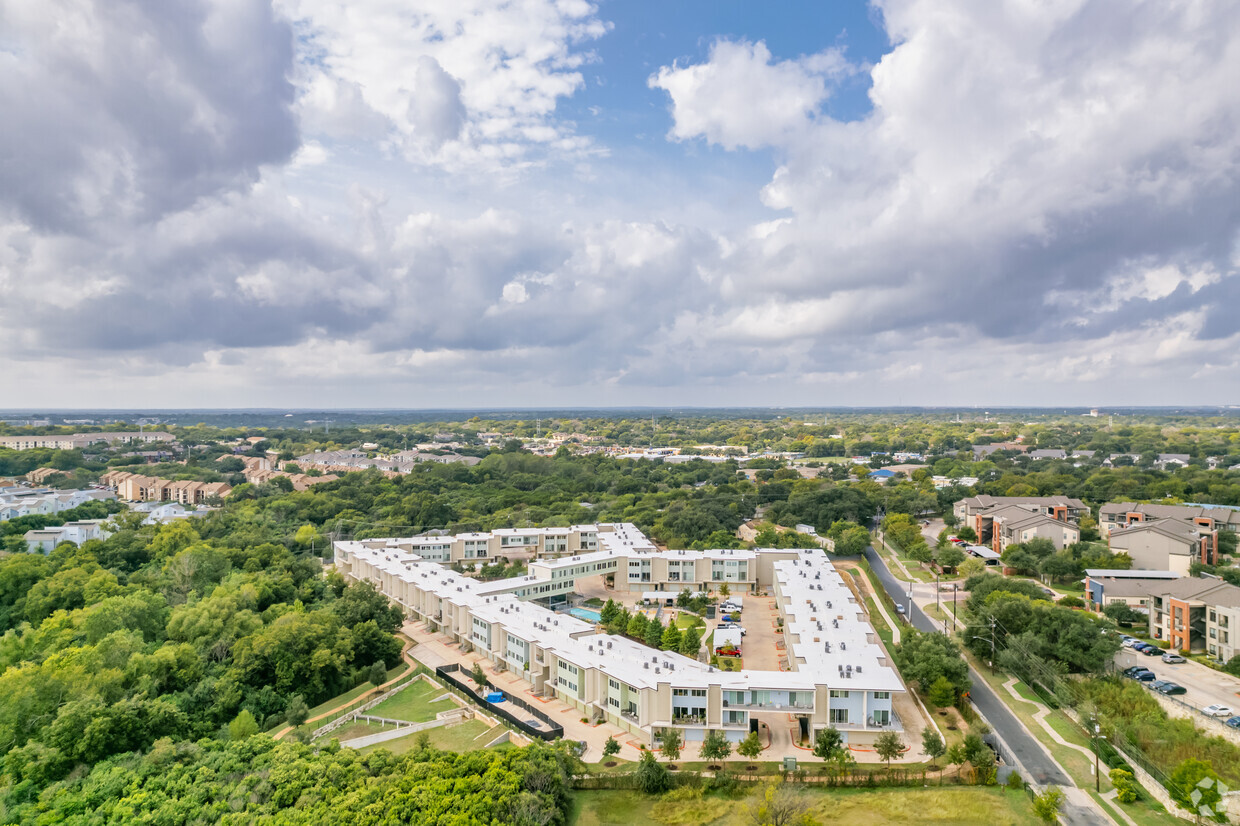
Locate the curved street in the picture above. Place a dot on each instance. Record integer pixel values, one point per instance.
(1041, 768)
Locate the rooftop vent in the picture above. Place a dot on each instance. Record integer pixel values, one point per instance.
(843, 646)
(858, 669)
(645, 665)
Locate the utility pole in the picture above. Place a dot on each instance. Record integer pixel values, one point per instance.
(1098, 735)
(992, 645)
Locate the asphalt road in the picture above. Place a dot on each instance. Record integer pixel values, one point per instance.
(1001, 719)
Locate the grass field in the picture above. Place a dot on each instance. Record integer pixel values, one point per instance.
(414, 703)
(864, 807)
(684, 621)
(468, 736)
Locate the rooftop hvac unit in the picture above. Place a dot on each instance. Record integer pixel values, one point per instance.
(656, 671)
(848, 667)
(858, 669)
(843, 646)
(609, 644)
(645, 665)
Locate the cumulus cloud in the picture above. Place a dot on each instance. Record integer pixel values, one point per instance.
(128, 109)
(482, 77)
(740, 97)
(1039, 204)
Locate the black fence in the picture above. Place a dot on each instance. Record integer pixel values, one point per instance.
(531, 720)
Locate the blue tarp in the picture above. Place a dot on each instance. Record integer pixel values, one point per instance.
(495, 697)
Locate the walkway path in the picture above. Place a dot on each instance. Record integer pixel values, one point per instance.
(1040, 715)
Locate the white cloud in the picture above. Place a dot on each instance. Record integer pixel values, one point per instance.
(464, 84)
(741, 98)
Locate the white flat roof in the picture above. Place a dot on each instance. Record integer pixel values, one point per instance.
(832, 636)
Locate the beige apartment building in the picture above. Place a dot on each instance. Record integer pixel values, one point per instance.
(77, 441)
(839, 675)
(132, 487)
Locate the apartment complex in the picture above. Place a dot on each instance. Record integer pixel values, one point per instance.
(1196, 615)
(1166, 536)
(77, 441)
(132, 487)
(485, 547)
(1001, 521)
(839, 675)
(1119, 515)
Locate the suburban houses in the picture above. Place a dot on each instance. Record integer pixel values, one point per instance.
(838, 674)
(16, 502)
(46, 539)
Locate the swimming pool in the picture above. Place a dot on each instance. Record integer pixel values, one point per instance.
(586, 614)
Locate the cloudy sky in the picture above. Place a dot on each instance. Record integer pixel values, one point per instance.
(429, 203)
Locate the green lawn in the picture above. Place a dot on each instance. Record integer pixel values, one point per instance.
(864, 807)
(468, 736)
(684, 621)
(414, 703)
(731, 664)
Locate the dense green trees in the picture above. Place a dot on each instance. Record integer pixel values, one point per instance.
(1028, 631)
(253, 779)
(925, 658)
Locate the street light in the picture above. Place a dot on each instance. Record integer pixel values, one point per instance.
(1098, 735)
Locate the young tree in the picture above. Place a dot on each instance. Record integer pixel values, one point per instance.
(780, 805)
(652, 776)
(684, 598)
(297, 711)
(608, 613)
(1047, 804)
(671, 638)
(377, 675)
(942, 693)
(611, 747)
(243, 725)
(955, 755)
(691, 642)
(715, 747)
(827, 741)
(889, 747)
(751, 746)
(949, 557)
(654, 633)
(725, 591)
(1194, 785)
(932, 744)
(479, 676)
(670, 743)
(637, 627)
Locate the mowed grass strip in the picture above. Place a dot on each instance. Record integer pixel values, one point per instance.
(960, 806)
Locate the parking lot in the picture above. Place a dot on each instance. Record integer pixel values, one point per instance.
(758, 647)
(1204, 686)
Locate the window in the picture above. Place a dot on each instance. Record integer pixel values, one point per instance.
(882, 695)
(882, 717)
(841, 695)
(839, 715)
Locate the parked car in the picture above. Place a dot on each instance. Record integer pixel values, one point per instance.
(1129, 642)
(1133, 669)
(1151, 651)
(1139, 645)
(1217, 710)
(899, 608)
(1144, 676)
(1172, 657)
(1158, 684)
(1172, 688)
(1234, 722)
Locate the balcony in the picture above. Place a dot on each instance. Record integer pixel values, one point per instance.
(769, 706)
(688, 719)
(870, 725)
